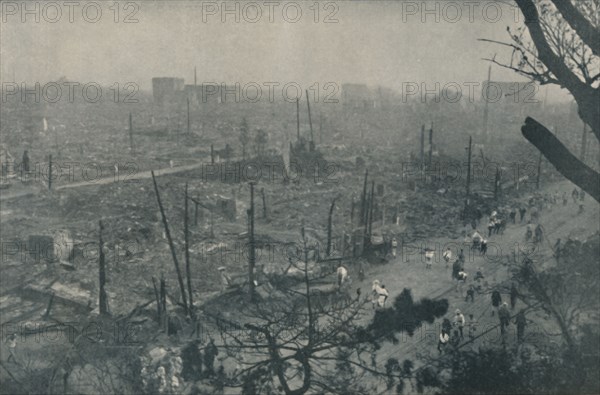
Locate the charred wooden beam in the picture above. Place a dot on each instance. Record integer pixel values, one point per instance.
(49, 307)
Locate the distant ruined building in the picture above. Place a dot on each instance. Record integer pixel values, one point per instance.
(361, 97)
(357, 97)
(166, 89)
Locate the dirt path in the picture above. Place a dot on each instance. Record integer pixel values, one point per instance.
(124, 177)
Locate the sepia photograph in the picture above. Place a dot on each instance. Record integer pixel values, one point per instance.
(353, 197)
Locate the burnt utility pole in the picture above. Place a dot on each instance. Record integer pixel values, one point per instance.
(163, 304)
(497, 183)
(212, 154)
(130, 132)
(298, 119)
(187, 250)
(50, 171)
(264, 201)
(330, 225)
(372, 204)
(251, 255)
(196, 211)
(309, 118)
(363, 202)
(486, 98)
(583, 143)
(430, 144)
(365, 213)
(320, 128)
(539, 171)
(171, 244)
(468, 187)
(158, 304)
(422, 151)
(188, 116)
(102, 297)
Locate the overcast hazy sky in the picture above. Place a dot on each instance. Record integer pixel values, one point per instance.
(375, 42)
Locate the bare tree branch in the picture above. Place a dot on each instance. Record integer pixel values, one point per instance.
(586, 96)
(588, 33)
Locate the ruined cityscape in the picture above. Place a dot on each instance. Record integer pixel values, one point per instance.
(348, 223)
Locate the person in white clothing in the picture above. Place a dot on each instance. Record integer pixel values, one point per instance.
(383, 295)
(375, 293)
(428, 258)
(459, 320)
(447, 255)
(342, 275)
(443, 341)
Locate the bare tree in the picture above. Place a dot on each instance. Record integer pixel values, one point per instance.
(562, 47)
(305, 339)
(566, 291)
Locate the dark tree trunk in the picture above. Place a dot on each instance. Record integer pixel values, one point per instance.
(561, 158)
